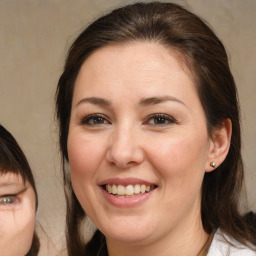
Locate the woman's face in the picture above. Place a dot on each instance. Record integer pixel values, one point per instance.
(17, 215)
(138, 143)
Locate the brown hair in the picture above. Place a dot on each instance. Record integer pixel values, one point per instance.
(13, 160)
(174, 27)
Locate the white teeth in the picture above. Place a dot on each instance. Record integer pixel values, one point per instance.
(113, 189)
(120, 190)
(128, 190)
(137, 189)
(143, 189)
(109, 188)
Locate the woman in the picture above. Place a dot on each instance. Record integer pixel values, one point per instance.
(149, 125)
(18, 200)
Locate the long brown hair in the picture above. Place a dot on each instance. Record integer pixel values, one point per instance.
(203, 53)
(13, 160)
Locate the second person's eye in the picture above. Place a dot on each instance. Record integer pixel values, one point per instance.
(94, 119)
(160, 119)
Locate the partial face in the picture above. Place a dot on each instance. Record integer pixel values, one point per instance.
(17, 215)
(138, 143)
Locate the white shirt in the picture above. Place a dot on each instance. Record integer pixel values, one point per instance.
(219, 247)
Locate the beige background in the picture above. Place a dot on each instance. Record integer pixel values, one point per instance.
(34, 38)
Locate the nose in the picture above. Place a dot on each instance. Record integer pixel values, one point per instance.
(125, 149)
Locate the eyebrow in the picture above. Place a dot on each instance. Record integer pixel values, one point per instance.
(10, 184)
(143, 102)
(14, 192)
(95, 101)
(158, 100)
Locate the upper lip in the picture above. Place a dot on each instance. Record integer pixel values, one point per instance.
(125, 181)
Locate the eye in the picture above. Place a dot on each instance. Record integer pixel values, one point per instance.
(95, 119)
(8, 199)
(160, 119)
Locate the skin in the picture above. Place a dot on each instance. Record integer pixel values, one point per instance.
(127, 141)
(17, 215)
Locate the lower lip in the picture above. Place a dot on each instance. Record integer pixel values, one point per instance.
(126, 201)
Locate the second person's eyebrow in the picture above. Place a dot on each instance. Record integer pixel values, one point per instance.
(143, 102)
(96, 101)
(157, 100)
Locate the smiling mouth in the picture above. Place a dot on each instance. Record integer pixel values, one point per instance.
(129, 190)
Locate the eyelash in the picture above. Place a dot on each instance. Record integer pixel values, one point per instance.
(161, 117)
(94, 118)
(8, 199)
(99, 119)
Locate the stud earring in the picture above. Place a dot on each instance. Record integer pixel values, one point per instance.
(212, 164)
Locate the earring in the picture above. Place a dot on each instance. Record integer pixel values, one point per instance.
(212, 164)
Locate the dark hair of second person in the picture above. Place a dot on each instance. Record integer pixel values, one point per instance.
(203, 54)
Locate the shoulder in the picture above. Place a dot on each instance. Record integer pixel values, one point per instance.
(221, 247)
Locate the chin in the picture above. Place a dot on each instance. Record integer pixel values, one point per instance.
(125, 238)
(128, 233)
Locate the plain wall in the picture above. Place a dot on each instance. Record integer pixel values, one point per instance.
(34, 38)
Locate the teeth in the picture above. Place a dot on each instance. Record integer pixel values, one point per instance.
(109, 188)
(143, 189)
(137, 189)
(121, 190)
(128, 190)
(113, 189)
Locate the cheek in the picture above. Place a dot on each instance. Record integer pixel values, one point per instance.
(180, 165)
(84, 154)
(179, 157)
(85, 158)
(16, 231)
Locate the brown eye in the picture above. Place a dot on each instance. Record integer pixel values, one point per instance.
(95, 119)
(160, 119)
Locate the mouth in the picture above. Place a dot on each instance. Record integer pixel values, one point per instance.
(128, 190)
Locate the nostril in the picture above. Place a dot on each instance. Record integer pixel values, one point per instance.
(124, 150)
(124, 160)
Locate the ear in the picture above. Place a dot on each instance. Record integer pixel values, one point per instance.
(219, 145)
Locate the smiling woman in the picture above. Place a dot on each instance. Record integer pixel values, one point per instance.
(18, 200)
(149, 125)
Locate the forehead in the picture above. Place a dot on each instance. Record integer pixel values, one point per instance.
(146, 68)
(12, 182)
(138, 51)
(11, 172)
(10, 178)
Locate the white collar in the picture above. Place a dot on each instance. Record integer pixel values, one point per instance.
(220, 247)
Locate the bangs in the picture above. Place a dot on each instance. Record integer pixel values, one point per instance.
(8, 161)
